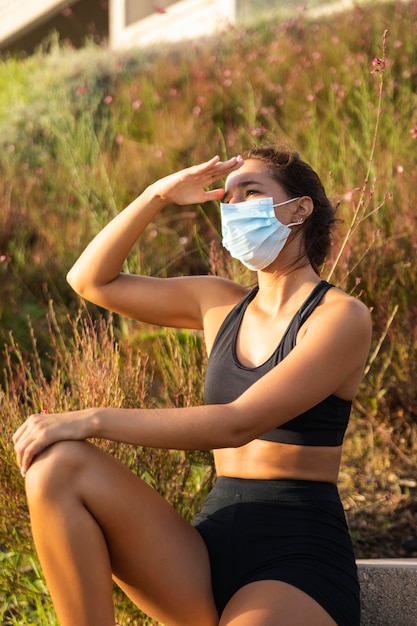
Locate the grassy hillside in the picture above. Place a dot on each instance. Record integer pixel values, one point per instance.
(83, 132)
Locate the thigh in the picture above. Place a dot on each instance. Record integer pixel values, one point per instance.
(157, 558)
(273, 603)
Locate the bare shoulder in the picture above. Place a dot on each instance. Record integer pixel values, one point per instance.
(343, 320)
(339, 333)
(339, 303)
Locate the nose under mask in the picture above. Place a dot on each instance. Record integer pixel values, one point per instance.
(252, 233)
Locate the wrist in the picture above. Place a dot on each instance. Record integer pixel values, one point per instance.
(155, 195)
(92, 422)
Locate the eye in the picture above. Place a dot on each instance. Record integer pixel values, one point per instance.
(251, 192)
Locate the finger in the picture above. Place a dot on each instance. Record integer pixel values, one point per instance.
(27, 454)
(19, 450)
(26, 443)
(202, 168)
(212, 161)
(223, 169)
(220, 167)
(232, 162)
(19, 433)
(214, 194)
(27, 424)
(221, 175)
(20, 446)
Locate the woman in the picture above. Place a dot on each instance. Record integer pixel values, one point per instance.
(270, 545)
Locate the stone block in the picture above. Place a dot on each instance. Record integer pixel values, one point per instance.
(388, 592)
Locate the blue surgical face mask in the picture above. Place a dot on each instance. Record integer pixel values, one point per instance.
(252, 233)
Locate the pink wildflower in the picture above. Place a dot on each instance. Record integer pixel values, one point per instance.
(378, 65)
(266, 110)
(108, 100)
(256, 132)
(413, 131)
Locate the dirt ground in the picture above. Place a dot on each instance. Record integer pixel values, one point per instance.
(383, 518)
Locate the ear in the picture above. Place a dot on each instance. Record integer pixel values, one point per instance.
(304, 209)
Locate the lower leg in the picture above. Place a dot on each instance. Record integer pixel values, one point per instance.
(92, 517)
(72, 550)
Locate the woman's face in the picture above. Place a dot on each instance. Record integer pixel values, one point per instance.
(253, 180)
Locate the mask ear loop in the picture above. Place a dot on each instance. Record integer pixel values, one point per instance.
(286, 201)
(300, 221)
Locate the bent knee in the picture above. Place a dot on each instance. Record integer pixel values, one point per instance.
(55, 468)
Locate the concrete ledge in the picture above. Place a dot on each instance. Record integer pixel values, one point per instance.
(388, 592)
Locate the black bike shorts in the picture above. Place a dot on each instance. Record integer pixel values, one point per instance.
(293, 531)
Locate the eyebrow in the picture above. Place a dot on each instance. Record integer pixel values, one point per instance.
(241, 185)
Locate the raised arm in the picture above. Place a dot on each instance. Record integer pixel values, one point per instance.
(97, 277)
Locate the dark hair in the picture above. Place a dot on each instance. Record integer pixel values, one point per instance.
(297, 178)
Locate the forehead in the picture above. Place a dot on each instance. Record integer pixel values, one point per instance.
(252, 170)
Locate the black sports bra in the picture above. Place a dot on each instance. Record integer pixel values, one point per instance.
(226, 378)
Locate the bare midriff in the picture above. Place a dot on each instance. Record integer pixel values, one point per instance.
(266, 460)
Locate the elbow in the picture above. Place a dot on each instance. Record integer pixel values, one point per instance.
(70, 279)
(238, 439)
(239, 442)
(243, 438)
(240, 432)
(87, 286)
(76, 282)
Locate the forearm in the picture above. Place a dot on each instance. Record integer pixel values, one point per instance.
(190, 428)
(102, 260)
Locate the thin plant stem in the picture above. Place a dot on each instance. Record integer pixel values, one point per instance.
(359, 212)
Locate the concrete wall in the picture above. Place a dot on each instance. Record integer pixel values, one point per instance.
(188, 19)
(25, 24)
(18, 16)
(388, 592)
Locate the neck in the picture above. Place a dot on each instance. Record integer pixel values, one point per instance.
(278, 288)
